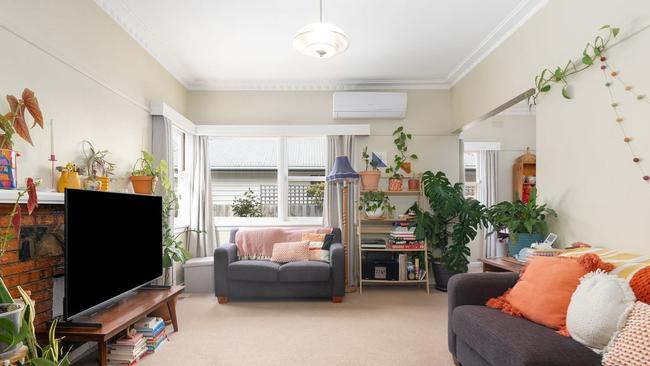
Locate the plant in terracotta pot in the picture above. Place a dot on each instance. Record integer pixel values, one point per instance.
(11, 123)
(526, 222)
(450, 225)
(400, 161)
(370, 177)
(375, 204)
(97, 169)
(145, 173)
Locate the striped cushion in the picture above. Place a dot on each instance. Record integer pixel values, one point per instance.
(626, 265)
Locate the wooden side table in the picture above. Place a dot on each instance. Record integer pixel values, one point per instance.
(501, 264)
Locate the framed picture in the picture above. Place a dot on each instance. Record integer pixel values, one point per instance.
(380, 272)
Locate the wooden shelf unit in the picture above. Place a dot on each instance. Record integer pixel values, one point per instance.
(383, 227)
(524, 167)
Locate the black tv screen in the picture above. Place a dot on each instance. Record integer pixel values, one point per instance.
(113, 245)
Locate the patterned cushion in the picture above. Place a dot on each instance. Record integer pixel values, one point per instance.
(635, 268)
(631, 346)
(290, 252)
(316, 242)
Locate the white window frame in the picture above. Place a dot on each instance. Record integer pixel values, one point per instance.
(182, 219)
(283, 180)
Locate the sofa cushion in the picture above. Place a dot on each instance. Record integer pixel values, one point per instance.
(504, 340)
(305, 271)
(253, 270)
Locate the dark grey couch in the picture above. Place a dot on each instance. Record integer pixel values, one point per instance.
(235, 279)
(482, 336)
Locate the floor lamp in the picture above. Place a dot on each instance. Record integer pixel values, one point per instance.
(343, 176)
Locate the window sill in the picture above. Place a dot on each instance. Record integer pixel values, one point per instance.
(227, 222)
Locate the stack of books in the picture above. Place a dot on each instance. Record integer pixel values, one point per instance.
(127, 351)
(153, 330)
(403, 237)
(373, 243)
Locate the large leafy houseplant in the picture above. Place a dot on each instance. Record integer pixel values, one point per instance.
(450, 225)
(526, 222)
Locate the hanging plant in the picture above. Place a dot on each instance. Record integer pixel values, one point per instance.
(592, 51)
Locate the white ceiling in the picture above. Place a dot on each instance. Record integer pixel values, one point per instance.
(247, 44)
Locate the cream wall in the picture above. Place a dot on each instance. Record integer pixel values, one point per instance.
(584, 169)
(79, 32)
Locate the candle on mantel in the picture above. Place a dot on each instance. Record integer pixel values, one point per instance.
(52, 137)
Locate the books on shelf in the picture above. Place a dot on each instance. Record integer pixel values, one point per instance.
(153, 332)
(127, 351)
(373, 243)
(403, 237)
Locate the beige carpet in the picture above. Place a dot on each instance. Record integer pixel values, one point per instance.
(382, 326)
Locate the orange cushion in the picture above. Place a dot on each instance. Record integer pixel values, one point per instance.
(640, 284)
(544, 289)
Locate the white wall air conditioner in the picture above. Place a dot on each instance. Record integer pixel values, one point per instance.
(369, 105)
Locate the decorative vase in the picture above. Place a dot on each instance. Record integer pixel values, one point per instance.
(91, 184)
(104, 183)
(370, 180)
(8, 174)
(143, 184)
(414, 184)
(15, 316)
(395, 184)
(375, 214)
(68, 180)
(523, 240)
(441, 275)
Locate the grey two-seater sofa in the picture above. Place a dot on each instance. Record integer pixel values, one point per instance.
(482, 336)
(236, 279)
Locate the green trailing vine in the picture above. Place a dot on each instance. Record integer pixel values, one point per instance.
(592, 51)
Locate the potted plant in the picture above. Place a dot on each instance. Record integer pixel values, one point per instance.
(375, 204)
(69, 177)
(526, 222)
(400, 161)
(97, 168)
(369, 178)
(449, 227)
(14, 123)
(145, 174)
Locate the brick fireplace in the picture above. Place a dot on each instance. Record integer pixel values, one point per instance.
(35, 262)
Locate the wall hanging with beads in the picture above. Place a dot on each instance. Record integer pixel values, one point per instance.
(593, 53)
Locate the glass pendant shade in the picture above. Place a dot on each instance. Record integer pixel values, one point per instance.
(320, 40)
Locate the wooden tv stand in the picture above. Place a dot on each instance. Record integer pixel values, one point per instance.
(120, 316)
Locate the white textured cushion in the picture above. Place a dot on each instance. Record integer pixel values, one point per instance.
(598, 309)
(290, 252)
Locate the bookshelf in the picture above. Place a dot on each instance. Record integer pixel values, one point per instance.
(381, 228)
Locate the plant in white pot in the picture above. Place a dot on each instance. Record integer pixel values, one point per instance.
(375, 204)
(370, 177)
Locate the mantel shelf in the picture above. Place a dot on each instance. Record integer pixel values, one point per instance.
(44, 197)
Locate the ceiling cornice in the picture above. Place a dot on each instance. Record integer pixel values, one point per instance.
(520, 15)
(122, 14)
(321, 85)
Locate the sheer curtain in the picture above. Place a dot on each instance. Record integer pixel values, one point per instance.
(201, 215)
(488, 175)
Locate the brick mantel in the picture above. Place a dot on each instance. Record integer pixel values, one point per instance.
(33, 271)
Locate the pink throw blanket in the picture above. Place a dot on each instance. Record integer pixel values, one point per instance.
(257, 243)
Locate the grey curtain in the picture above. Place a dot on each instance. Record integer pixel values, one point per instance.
(332, 208)
(488, 175)
(201, 215)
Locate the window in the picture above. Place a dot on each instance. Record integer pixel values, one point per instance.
(181, 176)
(471, 181)
(259, 180)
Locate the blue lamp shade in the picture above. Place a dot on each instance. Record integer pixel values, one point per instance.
(342, 170)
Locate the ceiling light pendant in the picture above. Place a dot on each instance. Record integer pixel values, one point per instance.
(321, 40)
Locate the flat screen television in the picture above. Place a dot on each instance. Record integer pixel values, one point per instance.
(113, 246)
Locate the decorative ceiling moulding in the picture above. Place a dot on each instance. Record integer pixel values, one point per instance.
(279, 85)
(518, 17)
